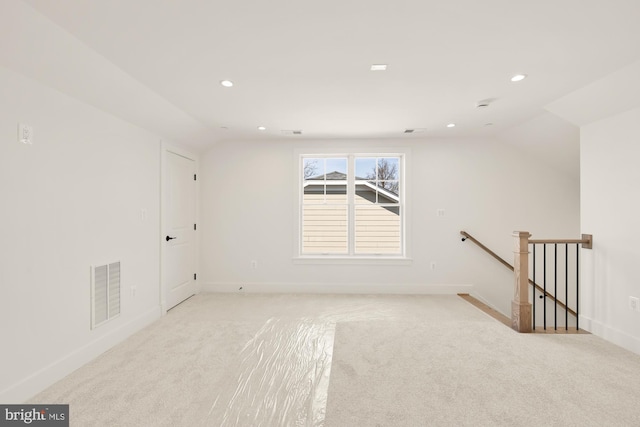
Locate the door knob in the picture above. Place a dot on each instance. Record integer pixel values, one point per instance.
(170, 238)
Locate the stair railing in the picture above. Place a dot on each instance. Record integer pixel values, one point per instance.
(539, 288)
(522, 311)
(573, 286)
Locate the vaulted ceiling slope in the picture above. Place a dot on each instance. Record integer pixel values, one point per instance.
(303, 65)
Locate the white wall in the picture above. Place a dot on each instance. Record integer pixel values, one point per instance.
(72, 199)
(487, 188)
(610, 177)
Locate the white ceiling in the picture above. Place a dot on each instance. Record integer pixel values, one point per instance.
(300, 64)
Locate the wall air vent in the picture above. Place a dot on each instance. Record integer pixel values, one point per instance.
(105, 293)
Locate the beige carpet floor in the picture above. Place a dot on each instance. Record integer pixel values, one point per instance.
(344, 360)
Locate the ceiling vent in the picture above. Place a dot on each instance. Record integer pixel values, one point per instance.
(484, 103)
(409, 130)
(292, 132)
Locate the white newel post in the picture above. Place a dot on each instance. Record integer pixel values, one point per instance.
(520, 306)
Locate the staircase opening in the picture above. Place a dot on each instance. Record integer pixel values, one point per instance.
(551, 281)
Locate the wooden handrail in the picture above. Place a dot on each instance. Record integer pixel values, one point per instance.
(558, 241)
(486, 249)
(510, 267)
(586, 241)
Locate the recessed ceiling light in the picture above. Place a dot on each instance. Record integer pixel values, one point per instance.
(262, 128)
(518, 77)
(226, 83)
(451, 125)
(379, 67)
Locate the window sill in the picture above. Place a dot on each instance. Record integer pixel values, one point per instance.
(353, 260)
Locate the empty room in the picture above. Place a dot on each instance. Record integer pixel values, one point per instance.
(337, 213)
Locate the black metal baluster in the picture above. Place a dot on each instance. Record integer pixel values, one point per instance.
(577, 286)
(555, 286)
(544, 284)
(534, 286)
(566, 286)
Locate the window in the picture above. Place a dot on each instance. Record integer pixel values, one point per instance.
(351, 205)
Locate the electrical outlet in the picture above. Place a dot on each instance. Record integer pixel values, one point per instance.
(634, 303)
(254, 264)
(134, 290)
(433, 265)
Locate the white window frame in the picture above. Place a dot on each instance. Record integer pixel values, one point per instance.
(351, 258)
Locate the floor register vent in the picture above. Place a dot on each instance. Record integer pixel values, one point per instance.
(105, 293)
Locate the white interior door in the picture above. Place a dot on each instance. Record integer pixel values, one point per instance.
(179, 210)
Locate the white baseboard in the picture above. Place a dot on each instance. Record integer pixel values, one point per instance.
(336, 288)
(610, 334)
(47, 376)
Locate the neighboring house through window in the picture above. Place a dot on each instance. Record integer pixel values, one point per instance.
(352, 205)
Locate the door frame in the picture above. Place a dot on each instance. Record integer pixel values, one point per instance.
(166, 148)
